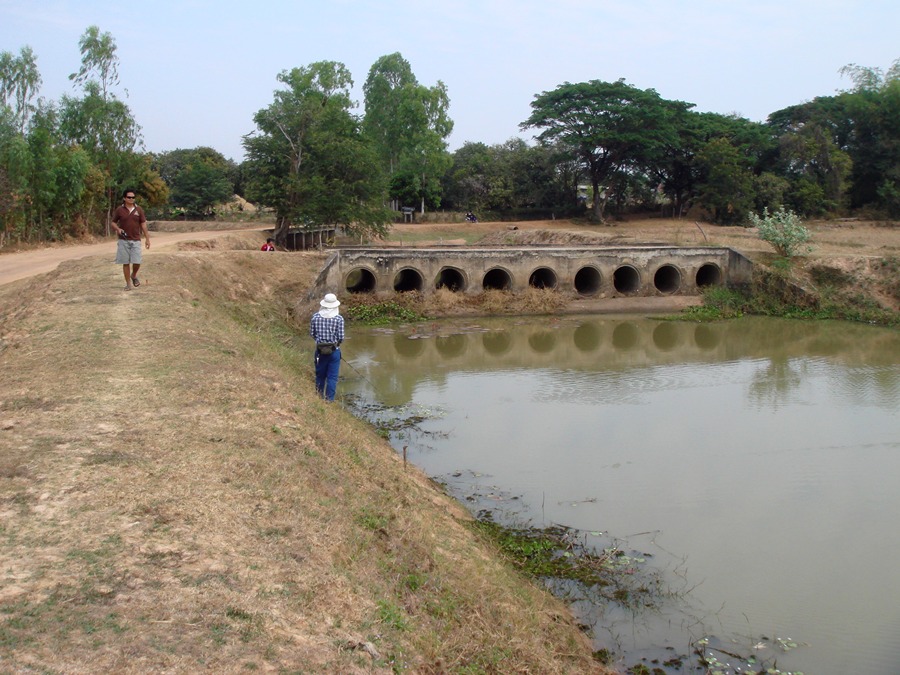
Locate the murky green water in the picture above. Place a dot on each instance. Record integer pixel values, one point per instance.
(756, 463)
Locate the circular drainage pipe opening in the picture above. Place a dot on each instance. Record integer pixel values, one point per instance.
(408, 280)
(626, 279)
(667, 279)
(587, 281)
(451, 279)
(708, 275)
(360, 280)
(496, 280)
(543, 277)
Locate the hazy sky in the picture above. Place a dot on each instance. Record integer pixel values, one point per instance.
(196, 71)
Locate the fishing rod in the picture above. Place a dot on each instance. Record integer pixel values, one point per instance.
(366, 379)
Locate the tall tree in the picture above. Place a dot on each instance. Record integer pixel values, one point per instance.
(98, 60)
(20, 81)
(99, 122)
(510, 176)
(679, 170)
(610, 127)
(198, 178)
(15, 167)
(409, 125)
(308, 158)
(873, 105)
(390, 79)
(727, 187)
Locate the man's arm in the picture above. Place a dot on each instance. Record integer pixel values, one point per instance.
(145, 230)
(115, 222)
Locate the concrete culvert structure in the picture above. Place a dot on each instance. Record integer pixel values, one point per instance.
(543, 277)
(496, 279)
(588, 281)
(626, 279)
(708, 275)
(360, 280)
(667, 279)
(590, 272)
(408, 279)
(452, 279)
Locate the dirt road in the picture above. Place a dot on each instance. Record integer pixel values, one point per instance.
(24, 264)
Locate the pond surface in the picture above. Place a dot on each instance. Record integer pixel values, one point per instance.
(753, 464)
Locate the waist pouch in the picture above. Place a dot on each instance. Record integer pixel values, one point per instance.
(326, 348)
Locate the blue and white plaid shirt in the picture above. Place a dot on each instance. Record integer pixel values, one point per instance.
(327, 330)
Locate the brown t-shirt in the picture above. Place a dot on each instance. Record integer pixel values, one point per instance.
(130, 221)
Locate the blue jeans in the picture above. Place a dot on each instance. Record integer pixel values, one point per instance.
(327, 369)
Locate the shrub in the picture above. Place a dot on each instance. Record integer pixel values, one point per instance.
(783, 229)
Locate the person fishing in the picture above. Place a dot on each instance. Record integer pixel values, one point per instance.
(326, 327)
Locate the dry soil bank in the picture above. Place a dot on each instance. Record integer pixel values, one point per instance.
(174, 498)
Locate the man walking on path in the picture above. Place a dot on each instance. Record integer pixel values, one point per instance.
(327, 328)
(130, 223)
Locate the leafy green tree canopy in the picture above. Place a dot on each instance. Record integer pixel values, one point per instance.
(20, 81)
(98, 58)
(408, 124)
(308, 158)
(608, 126)
(198, 178)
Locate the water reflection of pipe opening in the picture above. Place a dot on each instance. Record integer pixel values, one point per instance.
(665, 336)
(542, 342)
(708, 275)
(496, 342)
(625, 336)
(626, 279)
(360, 280)
(452, 279)
(588, 281)
(705, 337)
(410, 348)
(587, 337)
(450, 345)
(667, 279)
(408, 279)
(542, 277)
(496, 279)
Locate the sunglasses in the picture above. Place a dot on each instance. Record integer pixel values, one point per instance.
(129, 196)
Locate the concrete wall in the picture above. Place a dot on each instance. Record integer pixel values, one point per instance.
(603, 272)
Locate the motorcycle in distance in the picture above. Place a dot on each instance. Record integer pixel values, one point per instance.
(470, 217)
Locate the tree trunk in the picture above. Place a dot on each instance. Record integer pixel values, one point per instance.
(281, 230)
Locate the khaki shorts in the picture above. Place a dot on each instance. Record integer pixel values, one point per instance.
(128, 252)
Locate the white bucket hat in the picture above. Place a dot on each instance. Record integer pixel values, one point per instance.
(330, 301)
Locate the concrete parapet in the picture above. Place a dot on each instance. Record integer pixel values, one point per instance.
(601, 272)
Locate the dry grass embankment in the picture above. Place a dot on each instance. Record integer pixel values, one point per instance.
(174, 497)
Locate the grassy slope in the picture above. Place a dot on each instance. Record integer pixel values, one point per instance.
(174, 497)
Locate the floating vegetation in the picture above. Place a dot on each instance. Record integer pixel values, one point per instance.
(575, 569)
(395, 423)
(382, 313)
(720, 661)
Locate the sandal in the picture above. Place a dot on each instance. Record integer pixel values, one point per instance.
(135, 281)
(127, 288)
